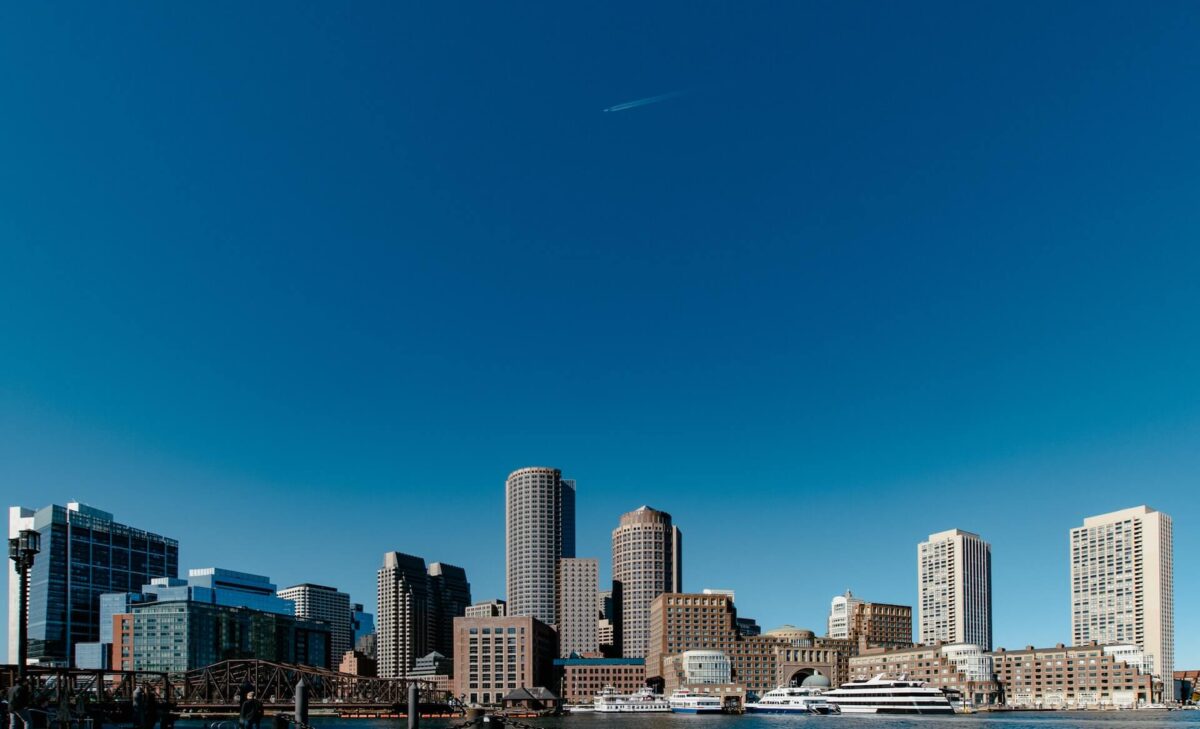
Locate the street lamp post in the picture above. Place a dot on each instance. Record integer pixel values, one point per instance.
(21, 550)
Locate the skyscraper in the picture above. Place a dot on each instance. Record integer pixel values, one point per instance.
(577, 620)
(954, 587)
(415, 607)
(1122, 584)
(404, 626)
(327, 604)
(647, 551)
(539, 531)
(104, 556)
(451, 595)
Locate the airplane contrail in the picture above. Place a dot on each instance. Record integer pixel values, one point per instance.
(643, 102)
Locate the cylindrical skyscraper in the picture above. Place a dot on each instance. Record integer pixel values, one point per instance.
(539, 530)
(647, 561)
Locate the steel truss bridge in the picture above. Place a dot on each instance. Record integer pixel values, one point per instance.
(274, 684)
(216, 688)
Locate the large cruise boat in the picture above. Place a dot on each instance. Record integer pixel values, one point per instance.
(792, 700)
(881, 695)
(641, 702)
(684, 701)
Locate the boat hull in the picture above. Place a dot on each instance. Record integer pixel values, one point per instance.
(893, 710)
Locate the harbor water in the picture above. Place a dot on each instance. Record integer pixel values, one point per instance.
(997, 720)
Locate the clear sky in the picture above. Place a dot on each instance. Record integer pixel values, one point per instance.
(301, 283)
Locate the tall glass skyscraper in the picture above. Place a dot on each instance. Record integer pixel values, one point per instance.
(85, 554)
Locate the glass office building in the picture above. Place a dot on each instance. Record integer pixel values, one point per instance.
(222, 587)
(180, 635)
(214, 615)
(361, 622)
(85, 554)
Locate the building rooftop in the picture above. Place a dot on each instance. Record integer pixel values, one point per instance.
(1119, 515)
(938, 536)
(599, 661)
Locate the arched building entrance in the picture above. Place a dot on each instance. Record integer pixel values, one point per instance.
(797, 664)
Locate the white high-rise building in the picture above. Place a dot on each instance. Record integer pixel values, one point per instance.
(578, 579)
(841, 610)
(539, 530)
(954, 586)
(317, 602)
(1122, 584)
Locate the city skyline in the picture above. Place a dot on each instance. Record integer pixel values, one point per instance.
(879, 273)
(820, 628)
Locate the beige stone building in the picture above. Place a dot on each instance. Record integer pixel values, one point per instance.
(1123, 584)
(493, 656)
(647, 552)
(358, 664)
(683, 622)
(578, 625)
(962, 668)
(1075, 677)
(489, 609)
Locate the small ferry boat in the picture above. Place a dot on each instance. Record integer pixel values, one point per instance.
(684, 701)
(792, 700)
(644, 701)
(881, 695)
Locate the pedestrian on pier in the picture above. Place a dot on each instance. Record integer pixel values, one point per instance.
(151, 716)
(19, 699)
(251, 713)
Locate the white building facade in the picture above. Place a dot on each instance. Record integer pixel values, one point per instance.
(706, 667)
(841, 608)
(1122, 584)
(954, 586)
(971, 660)
(539, 530)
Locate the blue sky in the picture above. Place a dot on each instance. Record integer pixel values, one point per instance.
(300, 284)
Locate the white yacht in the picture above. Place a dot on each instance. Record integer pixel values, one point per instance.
(684, 701)
(644, 701)
(881, 695)
(792, 700)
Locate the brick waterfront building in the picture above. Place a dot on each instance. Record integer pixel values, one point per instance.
(493, 656)
(1069, 677)
(582, 678)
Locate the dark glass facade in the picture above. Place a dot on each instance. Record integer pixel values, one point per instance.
(451, 595)
(86, 554)
(181, 635)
